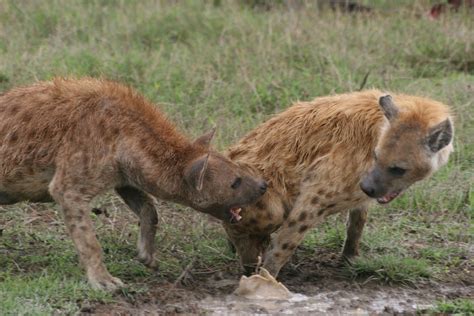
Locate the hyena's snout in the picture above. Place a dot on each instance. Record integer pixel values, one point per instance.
(379, 186)
(375, 184)
(372, 186)
(254, 188)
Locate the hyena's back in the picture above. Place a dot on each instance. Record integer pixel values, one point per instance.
(42, 123)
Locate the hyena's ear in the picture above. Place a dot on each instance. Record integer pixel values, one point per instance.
(388, 107)
(440, 135)
(194, 173)
(205, 140)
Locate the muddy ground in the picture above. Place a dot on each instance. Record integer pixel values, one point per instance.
(320, 288)
(318, 278)
(320, 283)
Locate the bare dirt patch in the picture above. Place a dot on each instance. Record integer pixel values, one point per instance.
(320, 288)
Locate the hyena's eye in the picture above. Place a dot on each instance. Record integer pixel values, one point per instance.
(396, 171)
(236, 183)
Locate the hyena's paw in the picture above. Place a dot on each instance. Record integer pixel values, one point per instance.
(348, 258)
(349, 253)
(104, 281)
(148, 260)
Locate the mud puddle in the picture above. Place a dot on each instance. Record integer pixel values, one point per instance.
(348, 300)
(328, 295)
(319, 288)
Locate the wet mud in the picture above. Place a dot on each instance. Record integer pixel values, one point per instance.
(317, 289)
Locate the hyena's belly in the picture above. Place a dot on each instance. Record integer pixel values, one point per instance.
(25, 183)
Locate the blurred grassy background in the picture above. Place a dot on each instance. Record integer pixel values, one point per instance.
(233, 64)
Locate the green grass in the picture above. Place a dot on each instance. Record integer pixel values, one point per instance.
(454, 307)
(390, 269)
(46, 294)
(225, 63)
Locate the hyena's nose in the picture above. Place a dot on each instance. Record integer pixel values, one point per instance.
(263, 187)
(368, 189)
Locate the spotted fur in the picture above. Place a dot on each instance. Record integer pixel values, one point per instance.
(316, 156)
(71, 140)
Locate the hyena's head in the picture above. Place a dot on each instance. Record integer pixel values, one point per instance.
(217, 186)
(414, 143)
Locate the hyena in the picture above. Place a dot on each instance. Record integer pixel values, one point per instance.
(330, 155)
(70, 140)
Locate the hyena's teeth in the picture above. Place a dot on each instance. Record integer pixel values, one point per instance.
(235, 213)
(388, 197)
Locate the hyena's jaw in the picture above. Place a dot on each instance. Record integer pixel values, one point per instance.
(374, 186)
(228, 214)
(389, 197)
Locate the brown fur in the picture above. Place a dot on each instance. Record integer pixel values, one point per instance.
(316, 155)
(71, 140)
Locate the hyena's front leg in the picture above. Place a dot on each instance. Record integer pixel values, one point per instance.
(355, 225)
(74, 197)
(309, 210)
(143, 205)
(80, 228)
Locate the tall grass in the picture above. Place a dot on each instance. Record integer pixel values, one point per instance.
(231, 64)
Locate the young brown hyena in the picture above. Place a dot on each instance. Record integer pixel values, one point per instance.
(330, 155)
(70, 140)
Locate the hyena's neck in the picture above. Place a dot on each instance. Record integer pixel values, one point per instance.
(157, 166)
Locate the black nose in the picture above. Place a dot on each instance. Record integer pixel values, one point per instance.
(369, 190)
(263, 187)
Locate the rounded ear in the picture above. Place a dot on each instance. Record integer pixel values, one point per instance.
(440, 135)
(388, 107)
(205, 140)
(194, 174)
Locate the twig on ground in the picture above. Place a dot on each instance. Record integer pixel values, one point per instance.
(183, 273)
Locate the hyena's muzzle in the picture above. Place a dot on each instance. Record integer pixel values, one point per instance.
(382, 185)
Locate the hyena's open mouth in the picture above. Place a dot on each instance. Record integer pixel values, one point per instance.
(387, 198)
(235, 214)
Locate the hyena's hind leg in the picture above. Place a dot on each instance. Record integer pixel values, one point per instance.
(142, 205)
(355, 225)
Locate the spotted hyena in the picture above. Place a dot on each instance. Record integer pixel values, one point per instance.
(71, 140)
(330, 155)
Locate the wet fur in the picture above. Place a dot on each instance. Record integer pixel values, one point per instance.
(70, 140)
(314, 155)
